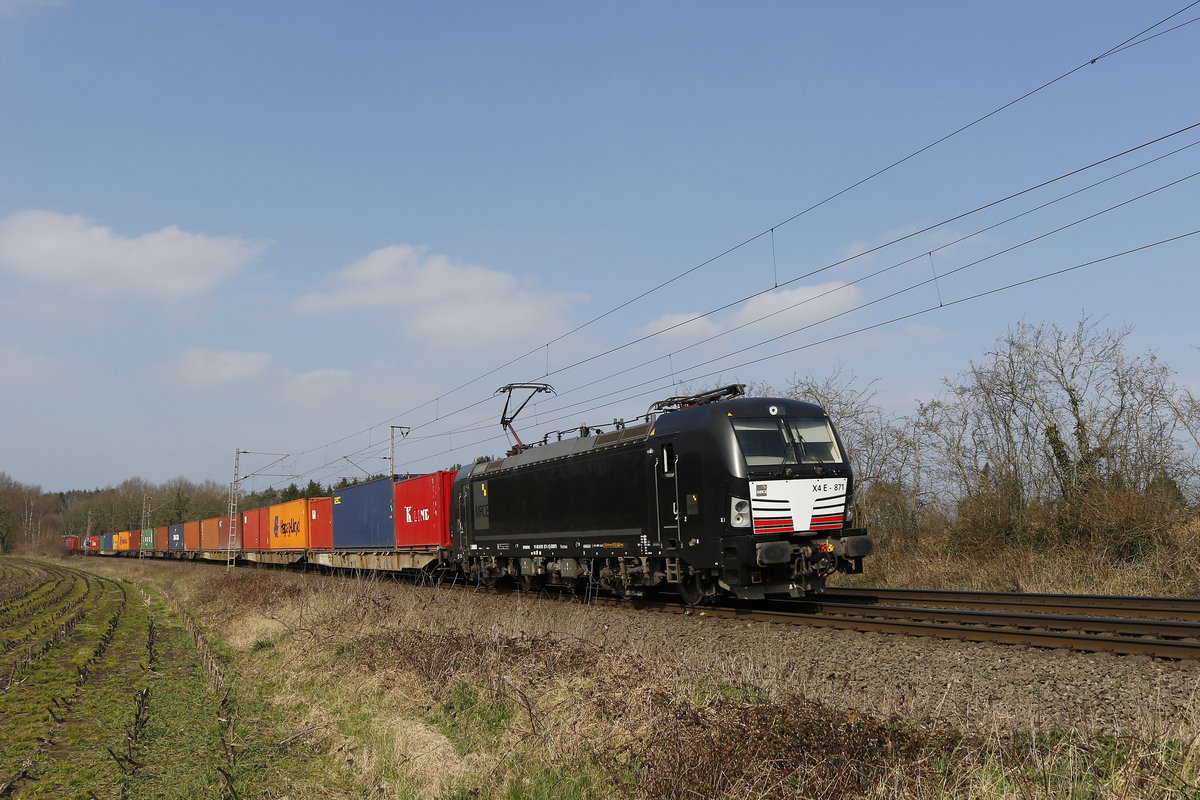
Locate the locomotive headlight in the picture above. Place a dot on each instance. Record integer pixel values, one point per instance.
(739, 512)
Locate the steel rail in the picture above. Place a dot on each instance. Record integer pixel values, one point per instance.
(1056, 622)
(1017, 629)
(1179, 608)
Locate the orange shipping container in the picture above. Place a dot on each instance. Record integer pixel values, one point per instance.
(122, 542)
(191, 536)
(214, 535)
(210, 533)
(320, 523)
(288, 526)
(161, 540)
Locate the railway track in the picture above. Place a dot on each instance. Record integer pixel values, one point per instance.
(1175, 608)
(1159, 627)
(1150, 626)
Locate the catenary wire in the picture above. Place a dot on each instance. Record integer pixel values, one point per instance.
(1122, 46)
(844, 335)
(858, 280)
(843, 313)
(740, 351)
(861, 254)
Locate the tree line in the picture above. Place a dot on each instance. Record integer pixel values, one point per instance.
(32, 520)
(1054, 435)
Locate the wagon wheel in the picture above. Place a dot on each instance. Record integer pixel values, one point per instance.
(695, 589)
(532, 583)
(613, 584)
(579, 587)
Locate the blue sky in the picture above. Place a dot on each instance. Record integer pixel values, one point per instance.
(285, 227)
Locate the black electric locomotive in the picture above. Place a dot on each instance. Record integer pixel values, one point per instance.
(710, 493)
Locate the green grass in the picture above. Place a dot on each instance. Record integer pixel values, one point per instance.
(473, 717)
(67, 736)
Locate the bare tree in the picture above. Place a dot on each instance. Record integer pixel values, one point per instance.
(1064, 419)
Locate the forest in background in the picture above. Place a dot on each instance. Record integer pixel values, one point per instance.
(33, 521)
(1055, 438)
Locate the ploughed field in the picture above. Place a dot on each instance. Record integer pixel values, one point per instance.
(104, 693)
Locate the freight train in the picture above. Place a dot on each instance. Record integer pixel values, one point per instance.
(710, 494)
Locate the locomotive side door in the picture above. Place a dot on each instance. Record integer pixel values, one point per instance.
(664, 462)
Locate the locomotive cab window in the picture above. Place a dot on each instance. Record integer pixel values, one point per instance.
(763, 443)
(814, 439)
(775, 442)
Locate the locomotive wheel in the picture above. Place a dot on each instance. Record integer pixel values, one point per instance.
(695, 589)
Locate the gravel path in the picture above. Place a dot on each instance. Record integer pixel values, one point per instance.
(980, 687)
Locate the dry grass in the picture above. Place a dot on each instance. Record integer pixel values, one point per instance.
(1168, 566)
(431, 693)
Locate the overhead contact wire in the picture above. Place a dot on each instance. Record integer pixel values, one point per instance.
(1122, 46)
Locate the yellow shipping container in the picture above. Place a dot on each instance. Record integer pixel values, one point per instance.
(287, 526)
(122, 542)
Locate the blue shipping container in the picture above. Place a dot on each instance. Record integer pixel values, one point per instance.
(362, 516)
(106, 541)
(175, 537)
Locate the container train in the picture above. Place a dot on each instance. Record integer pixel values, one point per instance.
(711, 494)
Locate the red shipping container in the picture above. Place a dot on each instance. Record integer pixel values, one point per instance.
(191, 536)
(422, 509)
(320, 523)
(135, 540)
(93, 543)
(161, 539)
(254, 529)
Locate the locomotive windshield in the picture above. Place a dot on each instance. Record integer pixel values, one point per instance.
(774, 441)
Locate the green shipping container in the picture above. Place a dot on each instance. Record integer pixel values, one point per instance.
(148, 539)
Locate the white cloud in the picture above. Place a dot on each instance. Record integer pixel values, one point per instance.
(74, 252)
(688, 329)
(443, 302)
(316, 387)
(855, 249)
(764, 315)
(794, 308)
(202, 366)
(20, 369)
